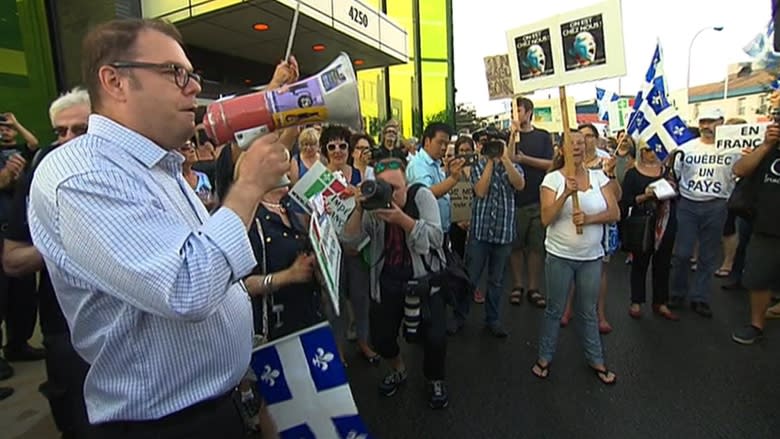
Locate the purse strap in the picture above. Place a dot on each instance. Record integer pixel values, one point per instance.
(264, 269)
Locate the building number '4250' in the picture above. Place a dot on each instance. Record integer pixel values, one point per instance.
(358, 16)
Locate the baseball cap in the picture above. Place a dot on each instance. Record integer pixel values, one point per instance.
(711, 114)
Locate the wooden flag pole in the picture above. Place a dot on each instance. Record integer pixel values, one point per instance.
(568, 150)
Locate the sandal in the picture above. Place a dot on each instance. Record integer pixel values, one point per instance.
(722, 272)
(516, 296)
(536, 299)
(544, 371)
(772, 313)
(604, 375)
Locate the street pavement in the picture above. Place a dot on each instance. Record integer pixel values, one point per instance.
(683, 379)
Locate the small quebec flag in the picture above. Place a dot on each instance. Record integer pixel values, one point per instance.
(305, 386)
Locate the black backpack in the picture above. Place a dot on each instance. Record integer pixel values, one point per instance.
(456, 284)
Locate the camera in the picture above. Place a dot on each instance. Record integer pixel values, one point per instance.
(377, 193)
(3, 118)
(493, 148)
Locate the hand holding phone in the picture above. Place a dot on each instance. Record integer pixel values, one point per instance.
(468, 159)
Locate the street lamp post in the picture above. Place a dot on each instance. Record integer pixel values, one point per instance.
(690, 51)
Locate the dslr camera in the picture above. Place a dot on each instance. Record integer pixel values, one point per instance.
(493, 148)
(377, 194)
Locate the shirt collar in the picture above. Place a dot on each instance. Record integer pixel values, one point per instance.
(427, 158)
(139, 147)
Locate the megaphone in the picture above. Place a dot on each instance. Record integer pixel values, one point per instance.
(329, 96)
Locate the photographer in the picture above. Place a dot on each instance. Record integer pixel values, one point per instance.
(403, 252)
(762, 268)
(496, 180)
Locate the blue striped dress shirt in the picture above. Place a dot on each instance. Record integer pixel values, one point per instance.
(147, 280)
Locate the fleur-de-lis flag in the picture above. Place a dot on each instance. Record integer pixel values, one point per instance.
(305, 386)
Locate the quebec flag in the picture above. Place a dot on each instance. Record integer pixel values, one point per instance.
(305, 386)
(762, 51)
(655, 120)
(603, 98)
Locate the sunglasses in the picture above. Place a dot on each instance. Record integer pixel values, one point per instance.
(186, 147)
(77, 130)
(388, 165)
(342, 146)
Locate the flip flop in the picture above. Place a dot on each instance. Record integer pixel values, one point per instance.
(516, 296)
(772, 314)
(544, 371)
(603, 376)
(723, 273)
(536, 298)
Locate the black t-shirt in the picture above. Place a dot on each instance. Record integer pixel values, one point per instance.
(223, 172)
(398, 260)
(767, 186)
(536, 143)
(7, 194)
(52, 320)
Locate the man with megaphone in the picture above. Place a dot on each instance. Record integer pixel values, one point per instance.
(147, 279)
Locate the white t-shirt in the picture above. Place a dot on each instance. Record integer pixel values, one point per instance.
(705, 171)
(562, 239)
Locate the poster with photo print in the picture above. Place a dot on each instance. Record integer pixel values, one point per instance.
(583, 42)
(534, 54)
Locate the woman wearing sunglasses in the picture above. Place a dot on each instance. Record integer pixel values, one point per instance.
(401, 251)
(198, 181)
(336, 148)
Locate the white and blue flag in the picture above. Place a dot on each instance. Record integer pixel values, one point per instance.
(761, 49)
(603, 98)
(305, 387)
(655, 120)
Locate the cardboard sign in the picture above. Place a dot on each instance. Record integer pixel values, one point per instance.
(318, 181)
(740, 136)
(499, 77)
(327, 248)
(460, 201)
(579, 46)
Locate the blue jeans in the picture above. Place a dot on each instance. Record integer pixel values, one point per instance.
(586, 275)
(495, 256)
(700, 222)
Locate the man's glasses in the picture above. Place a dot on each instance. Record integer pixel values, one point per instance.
(342, 146)
(180, 74)
(387, 165)
(77, 130)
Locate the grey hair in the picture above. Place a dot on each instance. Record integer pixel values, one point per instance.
(77, 96)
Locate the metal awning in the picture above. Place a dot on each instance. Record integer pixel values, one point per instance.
(370, 37)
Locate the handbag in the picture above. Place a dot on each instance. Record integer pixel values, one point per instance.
(743, 198)
(638, 231)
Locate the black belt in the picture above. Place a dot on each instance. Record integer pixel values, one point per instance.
(201, 409)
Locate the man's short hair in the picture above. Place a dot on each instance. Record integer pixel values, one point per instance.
(591, 127)
(114, 41)
(527, 104)
(436, 127)
(77, 96)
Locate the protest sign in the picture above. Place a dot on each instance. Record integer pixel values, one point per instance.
(579, 46)
(499, 77)
(619, 112)
(327, 248)
(460, 201)
(740, 136)
(319, 181)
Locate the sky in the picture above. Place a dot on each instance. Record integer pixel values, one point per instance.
(480, 30)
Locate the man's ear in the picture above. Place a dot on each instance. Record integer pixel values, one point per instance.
(112, 83)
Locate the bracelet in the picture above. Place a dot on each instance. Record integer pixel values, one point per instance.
(268, 283)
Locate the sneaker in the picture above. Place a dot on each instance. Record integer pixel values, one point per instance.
(747, 335)
(702, 309)
(455, 326)
(497, 330)
(676, 302)
(479, 296)
(392, 382)
(439, 398)
(6, 371)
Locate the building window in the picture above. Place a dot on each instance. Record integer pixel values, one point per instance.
(741, 106)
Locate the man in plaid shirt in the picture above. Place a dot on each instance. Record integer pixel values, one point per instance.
(496, 179)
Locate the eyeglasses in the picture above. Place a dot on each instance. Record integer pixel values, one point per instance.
(186, 147)
(77, 130)
(342, 146)
(181, 75)
(387, 165)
